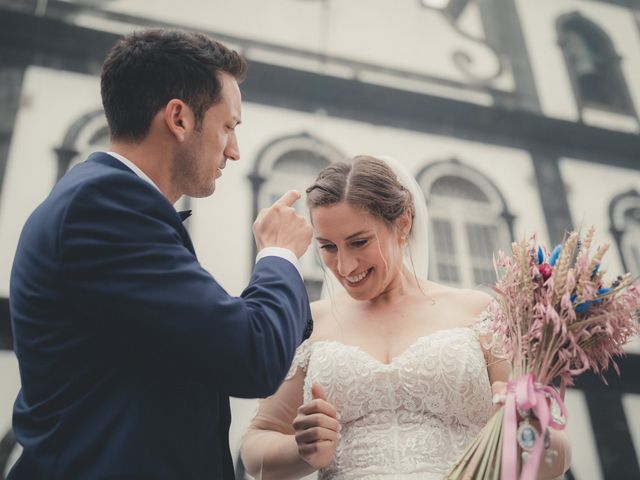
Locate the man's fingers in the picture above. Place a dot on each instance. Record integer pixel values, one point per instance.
(288, 199)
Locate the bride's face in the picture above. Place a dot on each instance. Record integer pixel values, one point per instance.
(363, 252)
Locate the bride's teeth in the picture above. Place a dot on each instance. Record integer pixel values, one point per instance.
(357, 278)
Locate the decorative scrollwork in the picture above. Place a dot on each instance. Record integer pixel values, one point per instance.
(451, 10)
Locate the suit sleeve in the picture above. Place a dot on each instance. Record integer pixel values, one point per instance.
(128, 271)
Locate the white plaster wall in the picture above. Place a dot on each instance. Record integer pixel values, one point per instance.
(50, 102)
(591, 187)
(401, 35)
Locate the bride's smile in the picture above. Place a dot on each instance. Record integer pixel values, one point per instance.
(363, 252)
(358, 279)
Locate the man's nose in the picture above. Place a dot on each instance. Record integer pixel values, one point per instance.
(232, 151)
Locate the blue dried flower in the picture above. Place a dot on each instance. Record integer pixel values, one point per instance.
(554, 255)
(540, 255)
(583, 307)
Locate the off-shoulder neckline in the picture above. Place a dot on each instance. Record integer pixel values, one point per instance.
(419, 340)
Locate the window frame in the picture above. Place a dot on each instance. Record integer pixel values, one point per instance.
(457, 214)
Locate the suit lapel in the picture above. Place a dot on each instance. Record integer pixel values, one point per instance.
(186, 239)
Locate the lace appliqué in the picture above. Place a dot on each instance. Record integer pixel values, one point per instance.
(489, 338)
(300, 359)
(410, 418)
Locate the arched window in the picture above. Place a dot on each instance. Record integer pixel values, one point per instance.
(469, 223)
(624, 214)
(593, 65)
(87, 134)
(293, 162)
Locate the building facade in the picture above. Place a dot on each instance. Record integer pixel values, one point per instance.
(514, 116)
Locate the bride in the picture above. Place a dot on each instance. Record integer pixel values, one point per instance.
(395, 381)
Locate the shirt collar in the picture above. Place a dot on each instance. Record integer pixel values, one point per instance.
(133, 167)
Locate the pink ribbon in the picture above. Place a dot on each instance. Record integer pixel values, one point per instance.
(526, 394)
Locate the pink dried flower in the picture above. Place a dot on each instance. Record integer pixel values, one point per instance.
(561, 330)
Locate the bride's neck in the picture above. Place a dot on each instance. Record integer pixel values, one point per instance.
(405, 283)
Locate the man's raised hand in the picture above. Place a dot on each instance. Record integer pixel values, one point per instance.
(280, 226)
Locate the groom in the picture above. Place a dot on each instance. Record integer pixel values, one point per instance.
(128, 348)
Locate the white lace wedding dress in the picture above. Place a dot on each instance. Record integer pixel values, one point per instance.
(409, 419)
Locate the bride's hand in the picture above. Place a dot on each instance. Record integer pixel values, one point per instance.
(317, 429)
(499, 391)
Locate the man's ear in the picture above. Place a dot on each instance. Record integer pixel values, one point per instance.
(177, 117)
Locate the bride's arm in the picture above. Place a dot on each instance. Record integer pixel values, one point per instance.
(269, 449)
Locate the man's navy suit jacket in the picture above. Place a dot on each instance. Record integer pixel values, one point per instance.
(128, 349)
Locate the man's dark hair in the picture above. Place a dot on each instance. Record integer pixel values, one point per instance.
(148, 68)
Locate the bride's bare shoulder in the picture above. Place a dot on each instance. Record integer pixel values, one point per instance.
(324, 313)
(470, 302)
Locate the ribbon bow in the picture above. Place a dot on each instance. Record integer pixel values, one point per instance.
(527, 394)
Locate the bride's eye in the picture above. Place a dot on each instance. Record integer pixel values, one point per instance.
(359, 243)
(330, 247)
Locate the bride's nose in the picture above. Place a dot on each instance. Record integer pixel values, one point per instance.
(346, 263)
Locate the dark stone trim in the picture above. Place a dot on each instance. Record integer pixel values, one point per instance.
(6, 338)
(626, 382)
(553, 195)
(504, 33)
(53, 43)
(11, 79)
(27, 6)
(64, 46)
(7, 446)
(620, 3)
(304, 91)
(613, 439)
(617, 232)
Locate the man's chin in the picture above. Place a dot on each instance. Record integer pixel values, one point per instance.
(202, 192)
